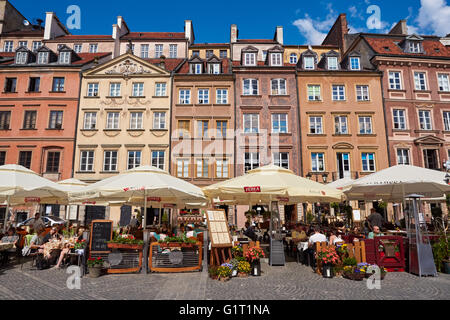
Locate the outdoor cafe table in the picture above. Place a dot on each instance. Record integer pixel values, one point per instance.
(6, 246)
(302, 246)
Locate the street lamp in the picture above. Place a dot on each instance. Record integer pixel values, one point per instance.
(324, 177)
(447, 178)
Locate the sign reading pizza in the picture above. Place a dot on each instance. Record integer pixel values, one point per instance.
(252, 189)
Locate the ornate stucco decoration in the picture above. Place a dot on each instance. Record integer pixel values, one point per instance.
(135, 101)
(127, 69)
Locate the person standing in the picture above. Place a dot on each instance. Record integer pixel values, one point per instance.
(375, 219)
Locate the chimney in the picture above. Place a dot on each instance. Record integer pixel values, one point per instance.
(233, 33)
(279, 35)
(119, 21)
(400, 28)
(189, 31)
(115, 31)
(53, 27)
(337, 33)
(48, 25)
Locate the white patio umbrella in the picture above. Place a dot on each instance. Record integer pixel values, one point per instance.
(341, 184)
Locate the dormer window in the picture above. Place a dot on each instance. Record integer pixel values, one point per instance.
(264, 55)
(414, 47)
(275, 59)
(332, 63)
(64, 57)
(354, 63)
(214, 68)
(196, 68)
(293, 58)
(308, 63)
(43, 57)
(21, 57)
(250, 59)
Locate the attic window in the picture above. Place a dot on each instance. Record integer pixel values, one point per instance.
(21, 57)
(414, 47)
(437, 50)
(386, 49)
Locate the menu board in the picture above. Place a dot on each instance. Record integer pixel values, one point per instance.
(356, 215)
(218, 228)
(101, 233)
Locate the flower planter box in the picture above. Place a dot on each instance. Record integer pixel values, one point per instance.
(353, 276)
(242, 275)
(95, 272)
(125, 246)
(222, 279)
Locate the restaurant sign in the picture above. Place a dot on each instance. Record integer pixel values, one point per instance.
(32, 199)
(252, 189)
(157, 199)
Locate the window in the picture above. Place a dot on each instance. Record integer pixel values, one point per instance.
(183, 168)
(90, 120)
(2, 158)
(222, 168)
(425, 120)
(8, 46)
(34, 84)
(420, 81)
(402, 156)
(308, 63)
(29, 121)
(56, 119)
(202, 168)
(221, 96)
(317, 162)
(209, 53)
(250, 87)
(42, 58)
(279, 123)
(184, 128)
(332, 63)
(249, 59)
(158, 159)
(136, 120)
(159, 120)
(338, 92)
(92, 89)
(87, 161)
(23, 44)
(10, 85)
(293, 58)
(110, 161)
(264, 55)
(112, 120)
(134, 159)
(278, 87)
(214, 68)
(114, 89)
(22, 57)
(340, 125)
(251, 123)
(160, 89)
(314, 93)
(78, 48)
(354, 63)
(368, 162)
(185, 96)
(5, 119)
(36, 45)
(197, 68)
(58, 84)
(446, 115)
(144, 51)
(202, 128)
(64, 57)
(251, 161)
(223, 54)
(195, 53)
(53, 162)
(281, 159)
(315, 125)
(443, 82)
(399, 119)
(414, 47)
(138, 89)
(362, 93)
(221, 126)
(276, 59)
(93, 48)
(173, 51)
(25, 159)
(158, 50)
(203, 96)
(365, 125)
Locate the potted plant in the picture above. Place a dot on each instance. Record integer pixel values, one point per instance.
(347, 261)
(224, 272)
(353, 273)
(253, 255)
(234, 262)
(237, 251)
(329, 258)
(441, 254)
(213, 272)
(125, 241)
(95, 267)
(243, 269)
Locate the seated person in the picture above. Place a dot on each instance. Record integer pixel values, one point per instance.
(299, 235)
(180, 231)
(338, 238)
(190, 233)
(316, 237)
(249, 231)
(375, 233)
(332, 237)
(10, 237)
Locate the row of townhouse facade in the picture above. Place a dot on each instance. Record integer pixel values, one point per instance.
(93, 106)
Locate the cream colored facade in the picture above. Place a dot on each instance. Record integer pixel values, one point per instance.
(289, 50)
(216, 50)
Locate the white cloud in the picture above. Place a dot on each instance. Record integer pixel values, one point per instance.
(435, 16)
(315, 30)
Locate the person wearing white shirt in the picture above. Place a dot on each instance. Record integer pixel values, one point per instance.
(317, 237)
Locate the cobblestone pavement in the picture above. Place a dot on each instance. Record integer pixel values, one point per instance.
(290, 282)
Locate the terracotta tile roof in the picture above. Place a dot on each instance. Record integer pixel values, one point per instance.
(88, 57)
(261, 64)
(225, 67)
(171, 64)
(80, 37)
(153, 36)
(24, 33)
(7, 54)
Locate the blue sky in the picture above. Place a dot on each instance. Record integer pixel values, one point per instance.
(304, 22)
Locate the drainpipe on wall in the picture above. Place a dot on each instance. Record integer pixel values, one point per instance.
(170, 125)
(76, 125)
(299, 127)
(385, 120)
(235, 124)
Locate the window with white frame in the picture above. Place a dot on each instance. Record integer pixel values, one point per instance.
(399, 116)
(446, 117)
(365, 125)
(251, 123)
(64, 57)
(78, 48)
(222, 168)
(279, 123)
(278, 87)
(87, 161)
(251, 161)
(42, 57)
(443, 82)
(185, 96)
(414, 47)
(93, 48)
(276, 59)
(136, 120)
(308, 63)
(159, 120)
(134, 159)
(21, 57)
(214, 68)
(90, 120)
(160, 89)
(209, 53)
(23, 44)
(202, 128)
(158, 50)
(221, 96)
(395, 80)
(250, 87)
(338, 92)
(36, 45)
(58, 84)
(354, 63)
(264, 55)
(368, 162)
(281, 159)
(221, 129)
(425, 120)
(203, 96)
(223, 54)
(362, 93)
(332, 63)
(112, 120)
(293, 58)
(403, 156)
(340, 125)
(138, 89)
(144, 51)
(114, 89)
(202, 168)
(56, 119)
(92, 90)
(110, 161)
(317, 162)
(183, 168)
(249, 59)
(8, 46)
(420, 81)
(158, 159)
(173, 48)
(197, 68)
(314, 92)
(315, 125)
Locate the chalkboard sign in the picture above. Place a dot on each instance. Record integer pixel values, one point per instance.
(101, 233)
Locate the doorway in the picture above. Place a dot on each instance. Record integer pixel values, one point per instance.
(343, 165)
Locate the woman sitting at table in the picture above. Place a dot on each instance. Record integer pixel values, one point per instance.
(190, 233)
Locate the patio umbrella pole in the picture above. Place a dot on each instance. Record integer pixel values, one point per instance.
(6, 213)
(145, 209)
(159, 220)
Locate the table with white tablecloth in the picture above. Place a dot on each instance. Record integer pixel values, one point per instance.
(302, 246)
